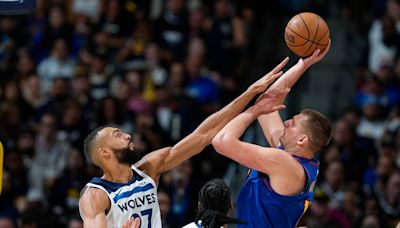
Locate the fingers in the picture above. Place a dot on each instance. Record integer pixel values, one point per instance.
(280, 65)
(132, 223)
(322, 54)
(278, 107)
(271, 78)
(136, 223)
(316, 53)
(327, 48)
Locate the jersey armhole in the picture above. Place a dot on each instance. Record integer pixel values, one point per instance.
(89, 185)
(144, 175)
(306, 184)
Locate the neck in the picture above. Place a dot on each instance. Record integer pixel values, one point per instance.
(118, 173)
(298, 151)
(305, 154)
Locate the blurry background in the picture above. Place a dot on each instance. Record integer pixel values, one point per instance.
(157, 68)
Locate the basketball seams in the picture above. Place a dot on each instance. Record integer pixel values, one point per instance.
(295, 45)
(327, 32)
(315, 36)
(295, 33)
(305, 24)
(300, 35)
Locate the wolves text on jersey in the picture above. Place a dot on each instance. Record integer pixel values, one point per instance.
(138, 202)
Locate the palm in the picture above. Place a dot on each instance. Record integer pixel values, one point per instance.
(272, 100)
(316, 56)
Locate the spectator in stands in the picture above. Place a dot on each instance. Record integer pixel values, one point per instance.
(49, 160)
(58, 64)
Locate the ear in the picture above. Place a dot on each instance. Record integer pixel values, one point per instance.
(105, 152)
(303, 140)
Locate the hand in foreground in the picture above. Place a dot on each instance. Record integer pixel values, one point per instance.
(262, 84)
(132, 223)
(316, 56)
(270, 101)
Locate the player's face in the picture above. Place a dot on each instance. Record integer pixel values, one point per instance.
(293, 130)
(121, 145)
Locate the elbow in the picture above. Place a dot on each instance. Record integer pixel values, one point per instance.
(221, 143)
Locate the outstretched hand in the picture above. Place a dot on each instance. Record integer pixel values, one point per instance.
(262, 84)
(316, 56)
(271, 101)
(132, 223)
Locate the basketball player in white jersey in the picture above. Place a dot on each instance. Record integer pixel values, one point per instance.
(127, 191)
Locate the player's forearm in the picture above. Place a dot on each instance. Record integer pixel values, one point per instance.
(291, 76)
(204, 134)
(271, 123)
(238, 125)
(227, 139)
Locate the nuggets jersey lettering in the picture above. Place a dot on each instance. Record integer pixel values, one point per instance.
(137, 198)
(261, 206)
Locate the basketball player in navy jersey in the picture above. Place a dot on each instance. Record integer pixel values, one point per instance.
(127, 191)
(280, 185)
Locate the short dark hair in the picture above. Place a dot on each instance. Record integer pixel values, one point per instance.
(215, 203)
(89, 141)
(318, 128)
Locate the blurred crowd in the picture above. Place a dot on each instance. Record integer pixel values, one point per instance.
(157, 69)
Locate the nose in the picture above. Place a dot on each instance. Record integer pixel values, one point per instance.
(128, 137)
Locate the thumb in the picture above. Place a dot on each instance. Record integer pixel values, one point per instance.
(278, 107)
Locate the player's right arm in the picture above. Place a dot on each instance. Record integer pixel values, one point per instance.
(159, 161)
(272, 124)
(93, 205)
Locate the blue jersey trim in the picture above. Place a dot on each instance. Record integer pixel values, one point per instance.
(133, 191)
(112, 186)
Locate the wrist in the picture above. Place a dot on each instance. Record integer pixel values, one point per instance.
(250, 92)
(303, 65)
(253, 112)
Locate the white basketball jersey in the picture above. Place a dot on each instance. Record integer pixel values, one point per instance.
(137, 198)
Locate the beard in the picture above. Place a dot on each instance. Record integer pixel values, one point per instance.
(127, 155)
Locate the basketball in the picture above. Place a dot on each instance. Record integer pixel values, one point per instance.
(305, 33)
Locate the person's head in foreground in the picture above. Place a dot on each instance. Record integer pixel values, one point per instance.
(214, 205)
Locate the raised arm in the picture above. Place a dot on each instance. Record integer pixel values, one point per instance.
(92, 206)
(285, 173)
(162, 160)
(227, 141)
(272, 124)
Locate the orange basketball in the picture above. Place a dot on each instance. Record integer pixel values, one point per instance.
(305, 33)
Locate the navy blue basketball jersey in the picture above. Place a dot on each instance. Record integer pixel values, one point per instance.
(260, 206)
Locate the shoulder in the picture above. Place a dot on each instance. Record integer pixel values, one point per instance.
(285, 160)
(151, 163)
(280, 155)
(93, 201)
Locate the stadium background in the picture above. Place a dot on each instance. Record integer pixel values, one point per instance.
(158, 68)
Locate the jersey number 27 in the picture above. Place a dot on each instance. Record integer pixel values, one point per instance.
(145, 213)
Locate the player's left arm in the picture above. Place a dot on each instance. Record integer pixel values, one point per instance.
(227, 141)
(272, 124)
(164, 159)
